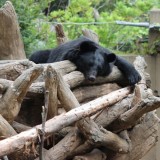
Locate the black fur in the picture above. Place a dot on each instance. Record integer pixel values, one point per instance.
(40, 56)
(90, 58)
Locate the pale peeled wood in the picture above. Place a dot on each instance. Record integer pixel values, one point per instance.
(13, 97)
(11, 71)
(69, 101)
(17, 142)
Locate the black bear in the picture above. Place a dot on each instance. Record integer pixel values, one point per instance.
(90, 58)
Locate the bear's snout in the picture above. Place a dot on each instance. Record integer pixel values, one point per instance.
(92, 78)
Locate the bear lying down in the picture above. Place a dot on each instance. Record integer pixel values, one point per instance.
(90, 58)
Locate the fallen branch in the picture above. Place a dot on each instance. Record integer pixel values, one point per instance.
(42, 131)
(13, 70)
(17, 142)
(99, 136)
(11, 100)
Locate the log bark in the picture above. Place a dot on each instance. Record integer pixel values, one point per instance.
(143, 138)
(69, 101)
(129, 118)
(17, 142)
(96, 154)
(12, 99)
(73, 79)
(51, 85)
(11, 45)
(86, 93)
(6, 129)
(98, 136)
(104, 118)
(60, 34)
(11, 71)
(91, 35)
(19, 127)
(60, 152)
(143, 98)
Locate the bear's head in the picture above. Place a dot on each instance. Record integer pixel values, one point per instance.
(91, 59)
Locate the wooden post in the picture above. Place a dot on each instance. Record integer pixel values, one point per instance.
(154, 33)
(11, 44)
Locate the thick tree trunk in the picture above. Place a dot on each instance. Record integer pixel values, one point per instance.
(11, 45)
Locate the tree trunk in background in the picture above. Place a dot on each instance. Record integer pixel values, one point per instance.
(11, 45)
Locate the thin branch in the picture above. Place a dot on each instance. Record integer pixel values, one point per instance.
(44, 117)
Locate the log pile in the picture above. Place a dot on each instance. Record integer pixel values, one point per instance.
(109, 126)
(50, 112)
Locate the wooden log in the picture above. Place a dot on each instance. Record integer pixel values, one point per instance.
(143, 102)
(99, 136)
(17, 142)
(91, 35)
(86, 93)
(104, 118)
(19, 127)
(6, 129)
(108, 116)
(144, 134)
(60, 34)
(154, 33)
(51, 85)
(73, 79)
(96, 154)
(11, 61)
(11, 45)
(70, 144)
(69, 101)
(130, 117)
(83, 148)
(11, 100)
(111, 114)
(11, 71)
(76, 78)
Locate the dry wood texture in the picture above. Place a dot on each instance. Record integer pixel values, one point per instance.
(11, 45)
(60, 35)
(59, 122)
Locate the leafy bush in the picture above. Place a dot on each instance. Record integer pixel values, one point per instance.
(38, 30)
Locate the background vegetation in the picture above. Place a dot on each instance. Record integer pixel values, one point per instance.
(38, 29)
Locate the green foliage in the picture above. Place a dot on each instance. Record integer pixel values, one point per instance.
(38, 30)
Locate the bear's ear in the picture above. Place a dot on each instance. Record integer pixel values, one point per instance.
(111, 58)
(87, 46)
